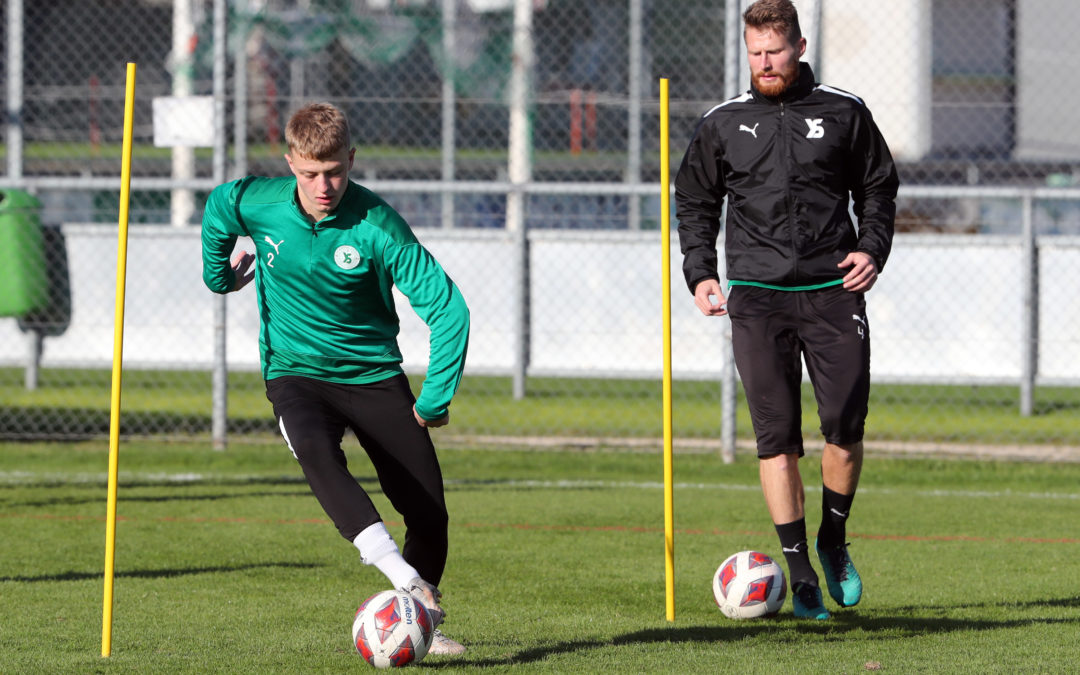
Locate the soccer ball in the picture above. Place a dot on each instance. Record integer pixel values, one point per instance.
(749, 585)
(391, 629)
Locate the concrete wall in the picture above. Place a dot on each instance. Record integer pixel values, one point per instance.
(946, 308)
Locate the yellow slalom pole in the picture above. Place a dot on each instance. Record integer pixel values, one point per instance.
(665, 267)
(118, 354)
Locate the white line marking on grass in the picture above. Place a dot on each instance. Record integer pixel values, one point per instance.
(656, 485)
(27, 477)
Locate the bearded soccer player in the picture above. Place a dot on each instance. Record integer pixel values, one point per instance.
(328, 253)
(790, 156)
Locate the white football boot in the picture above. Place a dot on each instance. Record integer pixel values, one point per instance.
(429, 596)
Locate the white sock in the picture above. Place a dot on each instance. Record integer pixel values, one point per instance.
(377, 548)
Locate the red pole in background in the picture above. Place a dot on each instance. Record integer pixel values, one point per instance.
(575, 121)
(590, 120)
(272, 130)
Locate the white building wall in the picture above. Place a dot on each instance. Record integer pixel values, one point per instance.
(881, 53)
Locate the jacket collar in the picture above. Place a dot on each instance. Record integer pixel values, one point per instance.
(804, 84)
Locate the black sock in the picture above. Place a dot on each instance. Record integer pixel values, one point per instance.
(793, 543)
(835, 508)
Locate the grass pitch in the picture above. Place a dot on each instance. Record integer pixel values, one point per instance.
(226, 564)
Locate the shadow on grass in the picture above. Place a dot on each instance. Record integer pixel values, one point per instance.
(158, 574)
(81, 424)
(1028, 604)
(178, 479)
(369, 483)
(152, 499)
(842, 623)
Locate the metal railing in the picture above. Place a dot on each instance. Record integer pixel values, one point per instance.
(521, 246)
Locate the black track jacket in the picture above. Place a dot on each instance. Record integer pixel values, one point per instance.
(788, 166)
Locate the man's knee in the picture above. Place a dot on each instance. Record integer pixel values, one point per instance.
(426, 515)
(845, 452)
(780, 462)
(842, 428)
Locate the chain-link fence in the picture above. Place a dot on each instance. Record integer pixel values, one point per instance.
(975, 333)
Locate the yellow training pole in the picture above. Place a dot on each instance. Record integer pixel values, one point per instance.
(665, 267)
(118, 353)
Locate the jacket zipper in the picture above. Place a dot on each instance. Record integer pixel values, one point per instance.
(786, 164)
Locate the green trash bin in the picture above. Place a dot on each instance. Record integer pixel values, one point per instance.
(23, 278)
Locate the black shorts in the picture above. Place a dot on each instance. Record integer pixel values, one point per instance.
(772, 331)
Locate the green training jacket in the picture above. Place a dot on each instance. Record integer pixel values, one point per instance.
(324, 289)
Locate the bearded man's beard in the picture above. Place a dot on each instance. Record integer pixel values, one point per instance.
(783, 81)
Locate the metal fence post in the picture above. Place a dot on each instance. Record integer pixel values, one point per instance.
(240, 97)
(1029, 323)
(728, 401)
(14, 74)
(35, 340)
(220, 376)
(449, 99)
(633, 117)
(182, 200)
(520, 170)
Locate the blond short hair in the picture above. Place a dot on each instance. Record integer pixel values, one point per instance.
(318, 131)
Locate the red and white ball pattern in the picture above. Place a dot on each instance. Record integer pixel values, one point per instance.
(391, 629)
(749, 585)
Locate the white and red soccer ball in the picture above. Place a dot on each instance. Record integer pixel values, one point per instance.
(749, 585)
(391, 629)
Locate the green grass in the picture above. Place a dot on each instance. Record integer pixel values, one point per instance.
(76, 402)
(226, 564)
(274, 151)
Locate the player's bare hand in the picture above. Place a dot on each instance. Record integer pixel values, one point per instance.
(431, 424)
(243, 264)
(709, 298)
(863, 273)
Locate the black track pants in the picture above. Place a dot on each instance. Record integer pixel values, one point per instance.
(313, 415)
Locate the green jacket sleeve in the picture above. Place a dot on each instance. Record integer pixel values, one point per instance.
(439, 303)
(220, 228)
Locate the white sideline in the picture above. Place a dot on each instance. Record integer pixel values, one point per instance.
(14, 478)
